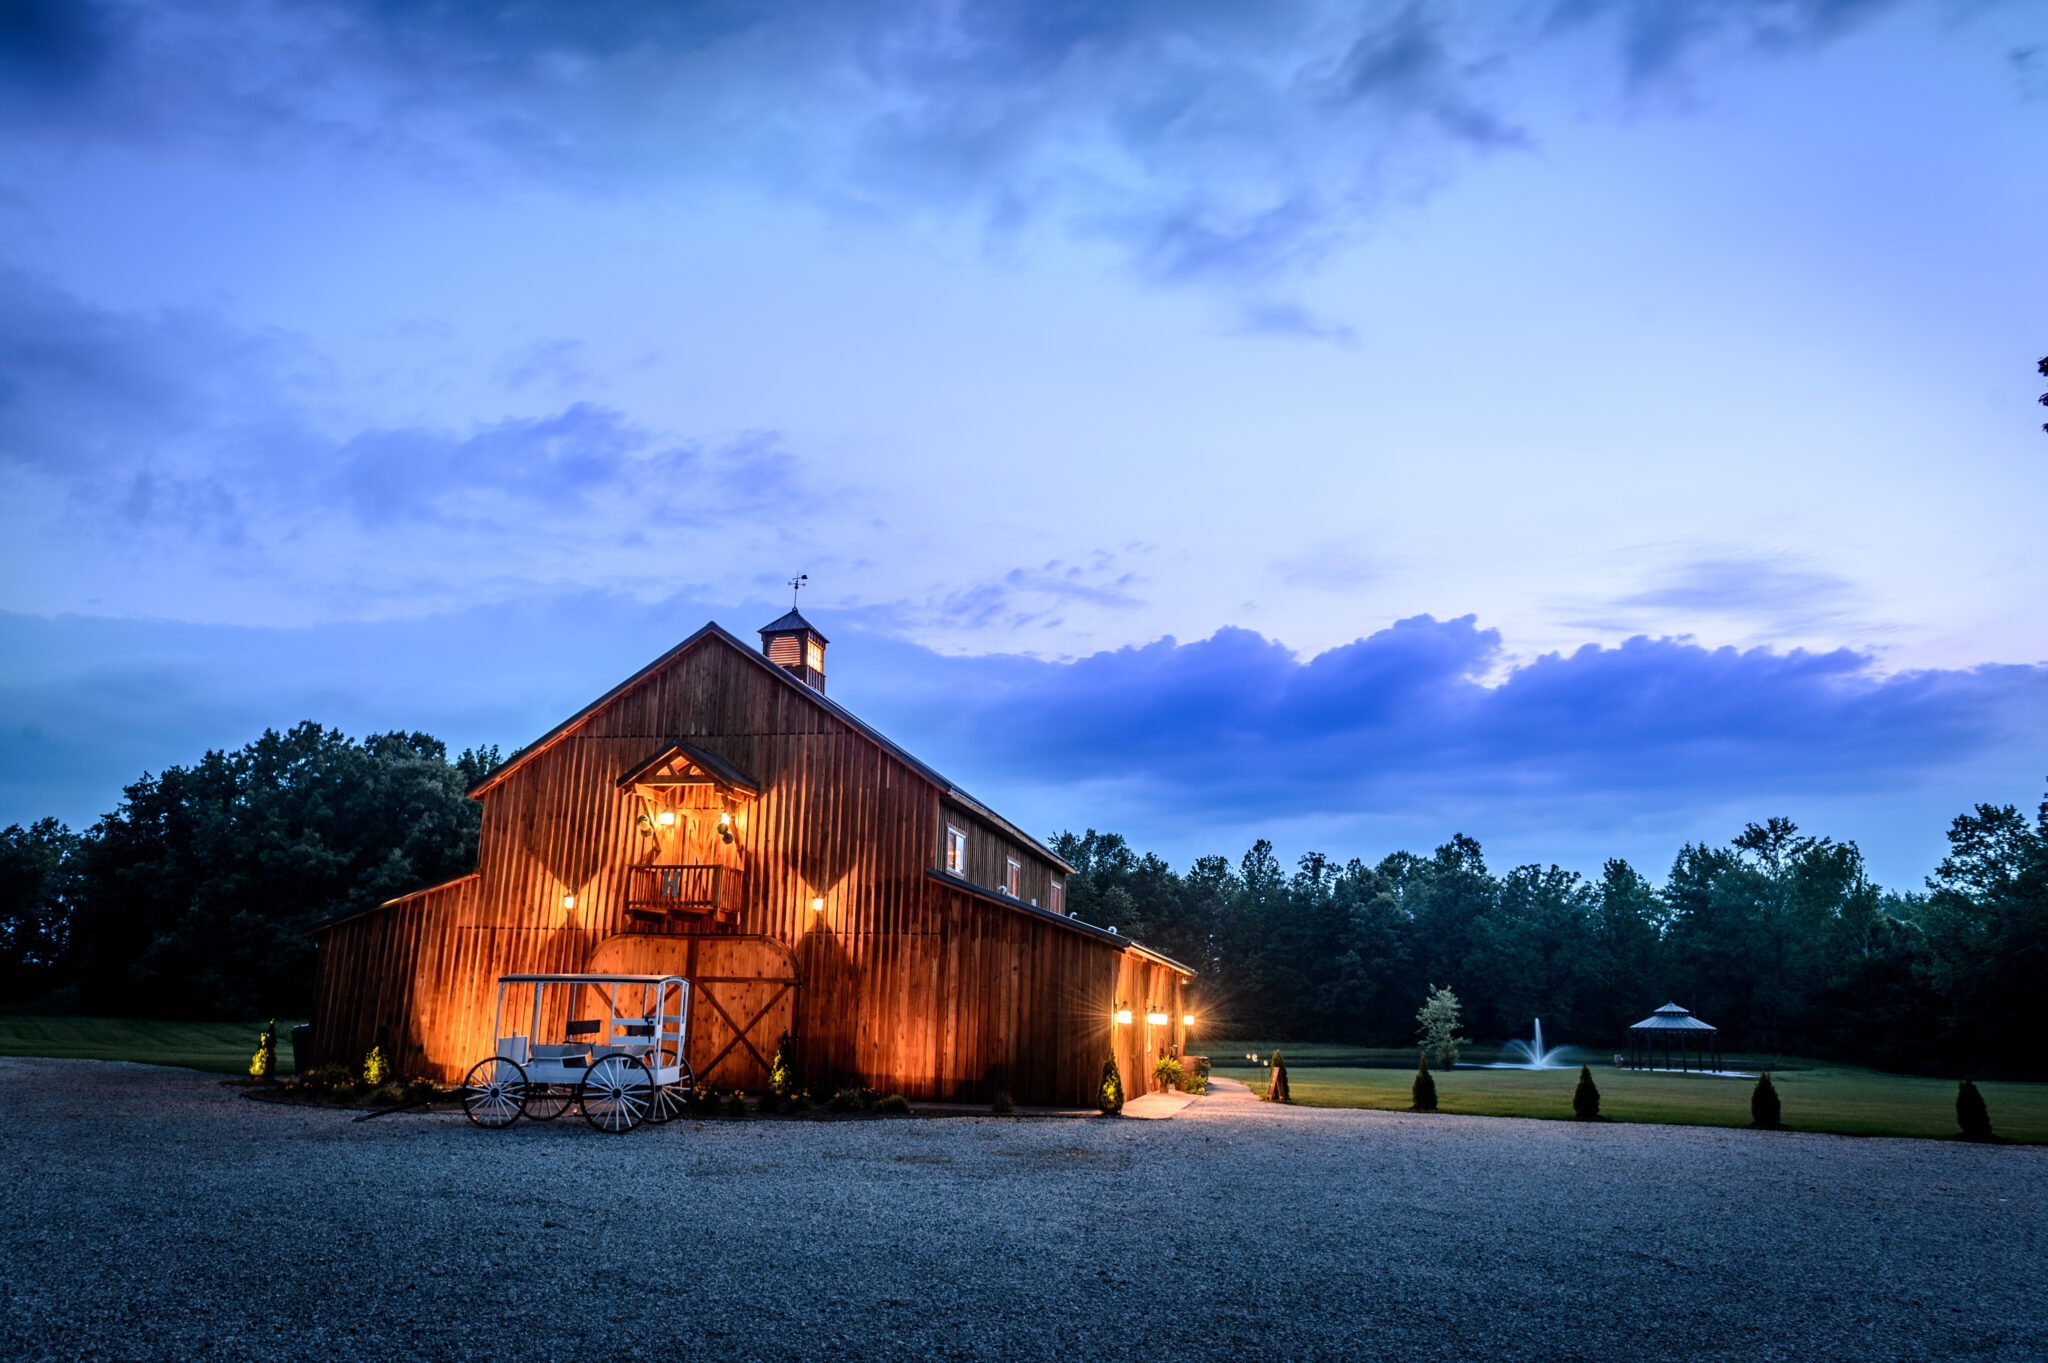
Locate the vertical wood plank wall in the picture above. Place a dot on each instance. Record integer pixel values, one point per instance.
(909, 983)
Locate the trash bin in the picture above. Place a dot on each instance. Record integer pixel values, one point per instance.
(302, 1046)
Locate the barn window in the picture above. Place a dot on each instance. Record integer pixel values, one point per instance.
(1059, 896)
(956, 851)
(814, 655)
(1010, 871)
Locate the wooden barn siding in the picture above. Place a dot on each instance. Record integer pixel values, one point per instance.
(987, 849)
(938, 995)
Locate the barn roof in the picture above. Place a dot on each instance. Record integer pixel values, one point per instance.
(790, 623)
(712, 629)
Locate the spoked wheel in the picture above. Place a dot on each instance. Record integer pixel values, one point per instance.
(670, 1098)
(494, 1093)
(616, 1094)
(545, 1102)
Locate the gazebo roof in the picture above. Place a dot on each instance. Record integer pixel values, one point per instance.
(1672, 1018)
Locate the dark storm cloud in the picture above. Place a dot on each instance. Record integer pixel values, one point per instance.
(1421, 712)
(1210, 140)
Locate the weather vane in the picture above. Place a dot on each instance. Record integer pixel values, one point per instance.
(796, 584)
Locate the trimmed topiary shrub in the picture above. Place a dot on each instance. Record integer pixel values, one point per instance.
(1276, 1081)
(782, 1080)
(1002, 1103)
(376, 1069)
(1166, 1073)
(1764, 1110)
(1971, 1114)
(895, 1105)
(263, 1064)
(1586, 1097)
(1109, 1091)
(1424, 1092)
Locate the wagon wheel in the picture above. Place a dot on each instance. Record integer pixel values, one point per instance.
(669, 1098)
(545, 1102)
(494, 1092)
(616, 1093)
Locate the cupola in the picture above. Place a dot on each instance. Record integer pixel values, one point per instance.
(793, 644)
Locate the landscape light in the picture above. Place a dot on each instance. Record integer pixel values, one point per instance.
(1123, 1015)
(818, 905)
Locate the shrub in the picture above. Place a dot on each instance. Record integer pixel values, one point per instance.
(1195, 1081)
(770, 1103)
(1109, 1090)
(853, 1100)
(326, 1081)
(736, 1106)
(1438, 1019)
(1166, 1073)
(263, 1064)
(1586, 1097)
(782, 1081)
(796, 1103)
(1424, 1099)
(1971, 1114)
(702, 1099)
(1276, 1081)
(387, 1095)
(1001, 1103)
(895, 1105)
(1764, 1110)
(376, 1069)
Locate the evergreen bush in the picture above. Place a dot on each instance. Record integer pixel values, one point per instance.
(1425, 1086)
(1764, 1110)
(1276, 1081)
(895, 1105)
(263, 1064)
(782, 1080)
(1586, 1097)
(1109, 1092)
(376, 1069)
(1971, 1114)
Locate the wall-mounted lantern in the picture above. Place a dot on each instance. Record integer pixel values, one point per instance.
(725, 826)
(667, 818)
(1123, 1017)
(1187, 1019)
(818, 904)
(1156, 1019)
(569, 902)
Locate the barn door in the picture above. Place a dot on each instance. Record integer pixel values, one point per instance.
(743, 997)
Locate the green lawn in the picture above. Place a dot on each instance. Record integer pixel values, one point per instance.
(1815, 1096)
(218, 1047)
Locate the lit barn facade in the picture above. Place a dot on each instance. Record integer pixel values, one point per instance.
(716, 816)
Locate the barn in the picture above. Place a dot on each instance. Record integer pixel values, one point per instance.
(717, 816)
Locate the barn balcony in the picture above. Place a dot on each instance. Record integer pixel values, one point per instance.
(680, 893)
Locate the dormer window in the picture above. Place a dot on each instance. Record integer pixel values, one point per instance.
(1012, 870)
(956, 851)
(1058, 902)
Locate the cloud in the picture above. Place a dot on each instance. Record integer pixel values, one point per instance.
(1291, 319)
(1781, 596)
(124, 430)
(1208, 141)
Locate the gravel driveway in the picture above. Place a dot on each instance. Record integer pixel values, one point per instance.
(153, 1213)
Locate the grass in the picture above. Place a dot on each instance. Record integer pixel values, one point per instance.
(217, 1047)
(1843, 1099)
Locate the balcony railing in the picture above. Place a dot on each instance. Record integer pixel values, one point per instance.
(658, 892)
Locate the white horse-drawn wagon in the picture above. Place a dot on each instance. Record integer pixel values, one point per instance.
(620, 1056)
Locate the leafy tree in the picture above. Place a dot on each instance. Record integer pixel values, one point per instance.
(193, 897)
(1438, 1019)
(36, 903)
(1986, 919)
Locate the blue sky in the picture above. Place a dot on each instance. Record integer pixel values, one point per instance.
(1584, 425)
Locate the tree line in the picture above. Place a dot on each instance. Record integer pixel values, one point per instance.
(191, 900)
(1778, 938)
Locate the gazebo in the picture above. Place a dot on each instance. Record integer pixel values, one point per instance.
(1696, 1039)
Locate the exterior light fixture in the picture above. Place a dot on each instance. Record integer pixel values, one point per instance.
(1156, 1019)
(725, 826)
(1123, 1016)
(667, 818)
(818, 905)
(1187, 1019)
(568, 901)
